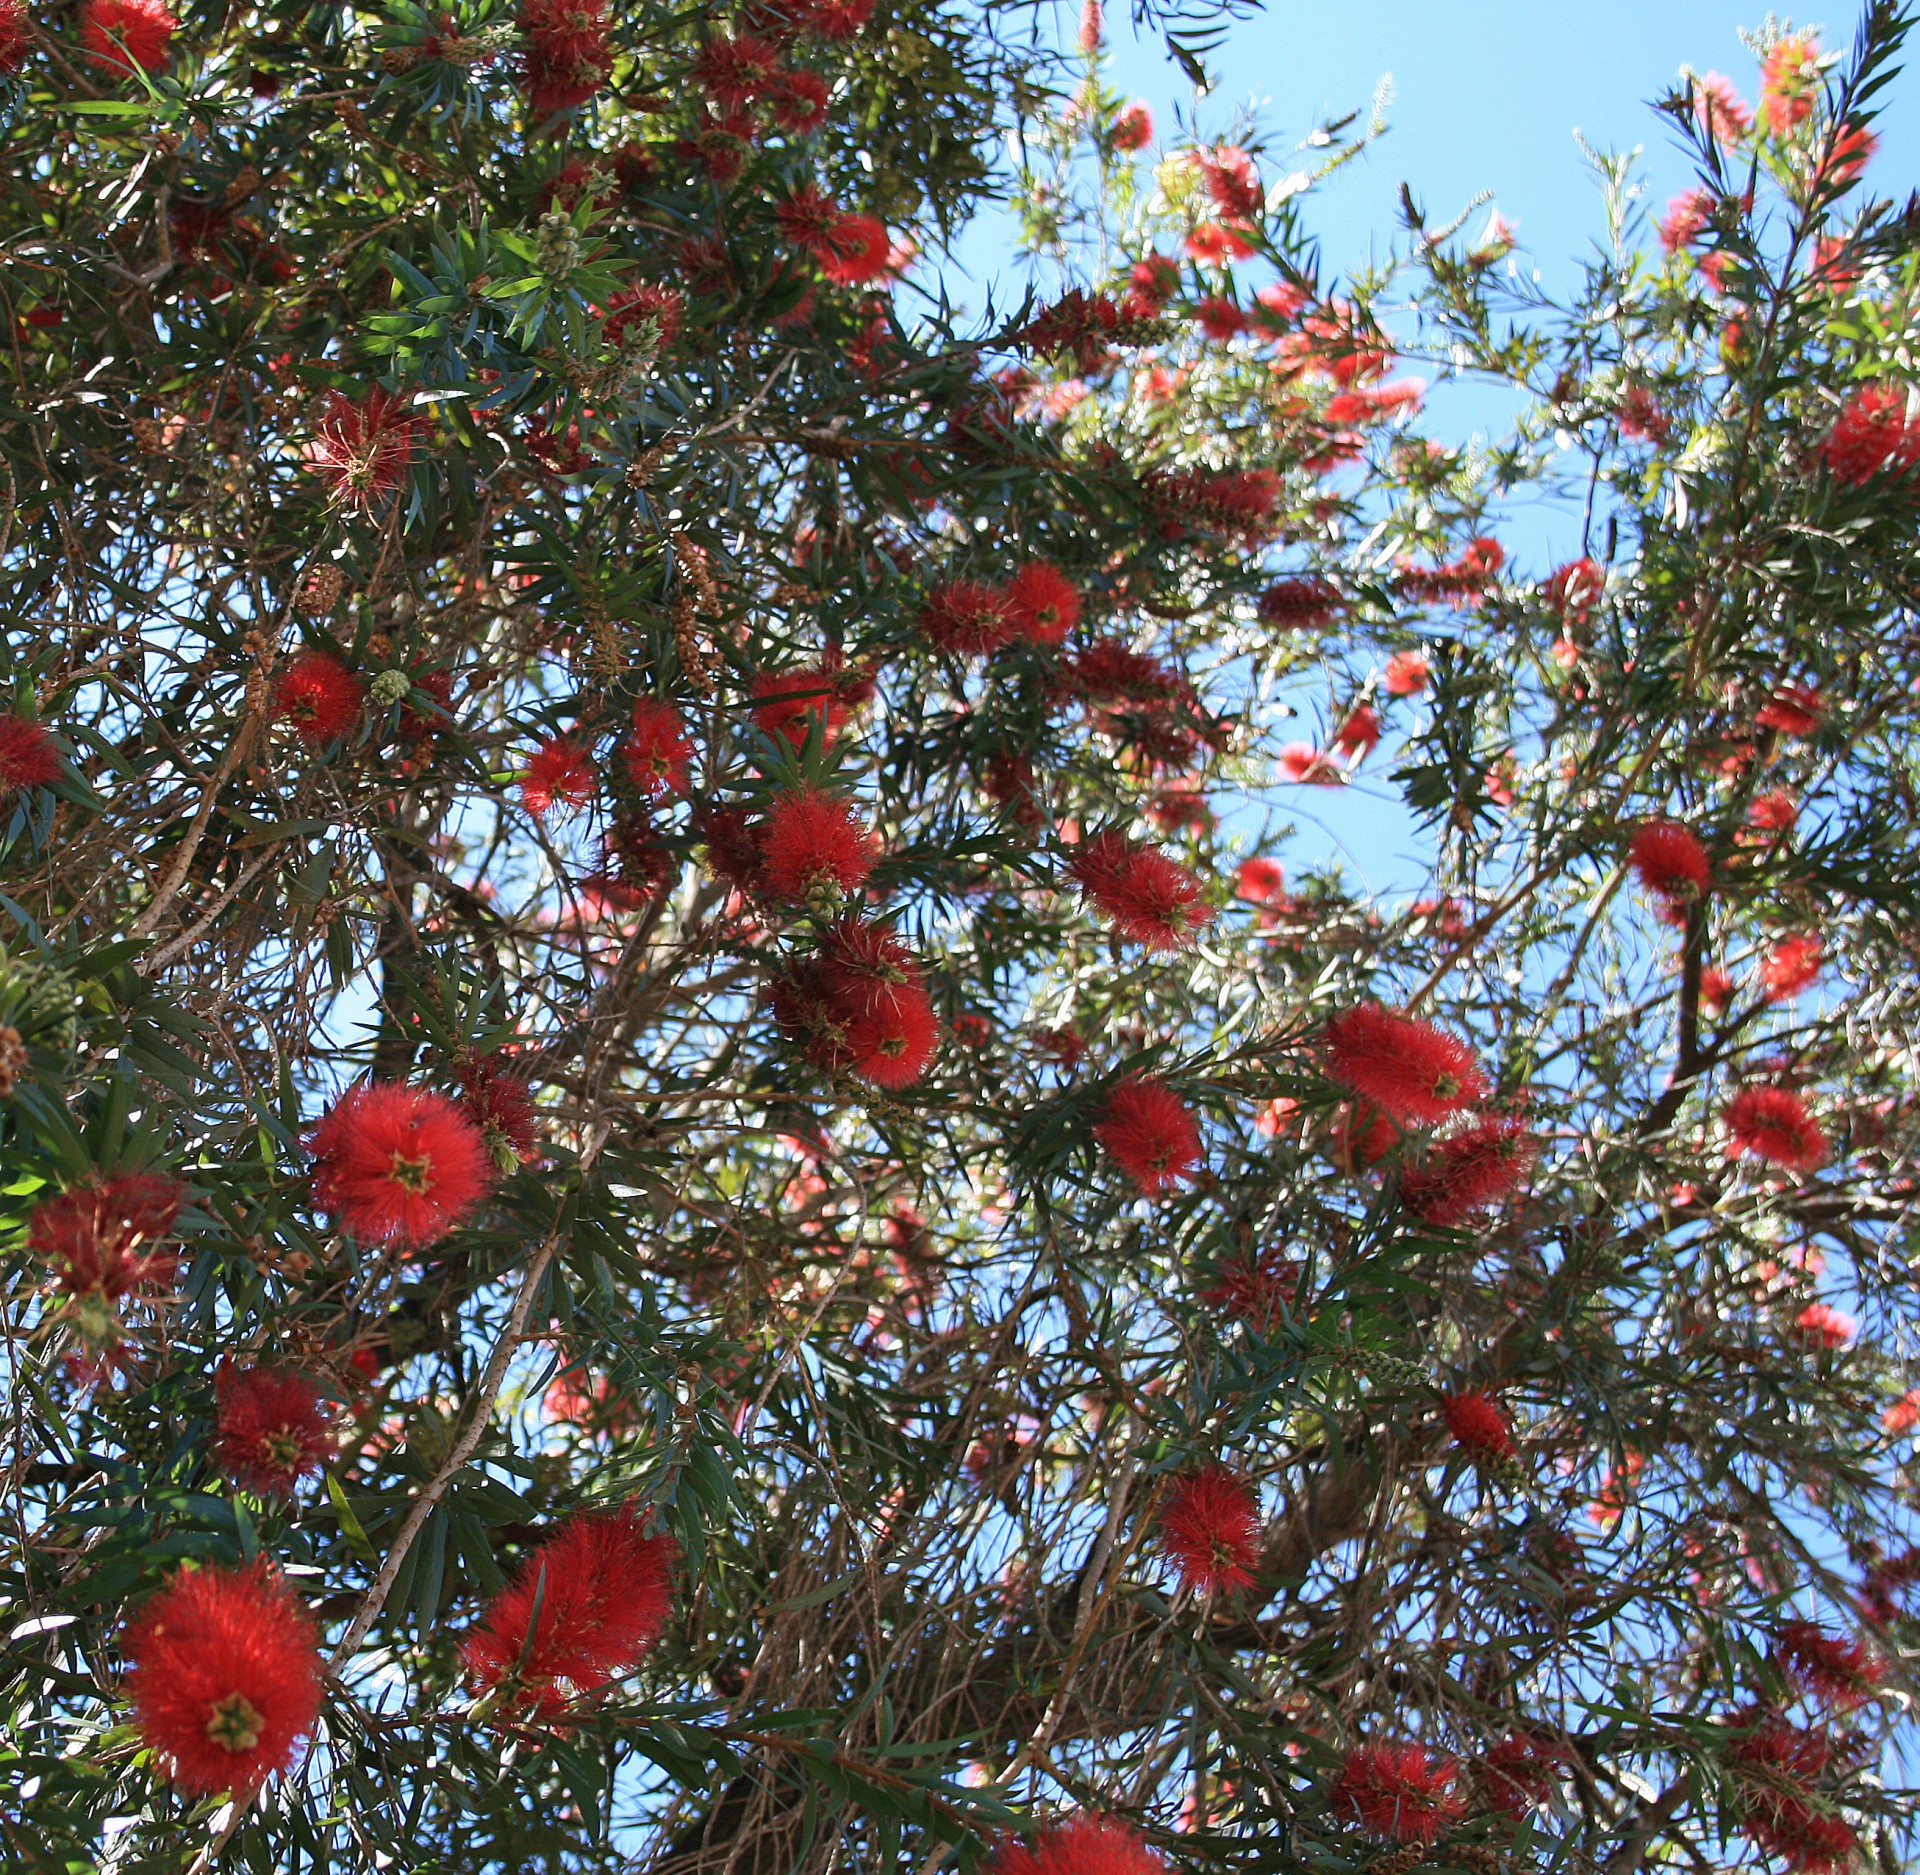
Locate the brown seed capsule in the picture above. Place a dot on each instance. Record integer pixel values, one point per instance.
(244, 182)
(146, 436)
(13, 1060)
(320, 591)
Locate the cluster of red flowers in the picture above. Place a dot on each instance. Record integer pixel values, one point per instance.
(397, 1164)
(584, 1609)
(1149, 1134)
(1209, 1527)
(1399, 1792)
(793, 703)
(1839, 1673)
(559, 774)
(1082, 1844)
(1876, 433)
(1672, 864)
(225, 1677)
(813, 844)
(1469, 1170)
(851, 249)
(858, 1005)
(969, 618)
(566, 53)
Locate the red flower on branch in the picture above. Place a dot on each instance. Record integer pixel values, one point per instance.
(1149, 1134)
(1790, 966)
(398, 1164)
(122, 35)
(364, 447)
(811, 842)
(966, 618)
(1839, 1673)
(1876, 433)
(1081, 1844)
(566, 53)
(1209, 1528)
(1469, 1171)
(1042, 604)
(102, 1237)
(584, 1609)
(1415, 1073)
(859, 1005)
(1671, 863)
(274, 1427)
(500, 1103)
(559, 773)
(1522, 1772)
(645, 305)
(225, 1678)
(789, 703)
(1399, 1792)
(658, 750)
(1772, 1123)
(1776, 1771)
(1479, 1425)
(1149, 898)
(29, 756)
(319, 698)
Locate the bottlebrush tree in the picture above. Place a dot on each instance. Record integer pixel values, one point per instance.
(696, 1179)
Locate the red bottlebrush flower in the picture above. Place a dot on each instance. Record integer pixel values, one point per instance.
(566, 53)
(500, 1103)
(1772, 1123)
(1839, 1673)
(1825, 1326)
(813, 842)
(1398, 1792)
(1359, 735)
(124, 34)
(319, 697)
(659, 754)
(1788, 83)
(799, 101)
(860, 1006)
(102, 1238)
(1575, 589)
(1149, 898)
(1469, 1171)
(1260, 881)
(967, 617)
(1210, 1530)
(1716, 987)
(1154, 281)
(1723, 113)
(808, 218)
(398, 1164)
(1874, 434)
(1220, 318)
(1362, 1137)
(1092, 25)
(1232, 181)
(364, 447)
(1776, 1768)
(225, 1677)
(1687, 215)
(1133, 126)
(1790, 966)
(1306, 603)
(584, 1609)
(1795, 710)
(1041, 603)
(1408, 673)
(1415, 1073)
(642, 306)
(1640, 417)
(1238, 504)
(1671, 862)
(1774, 811)
(589, 1401)
(839, 19)
(1479, 1426)
(559, 773)
(861, 252)
(1522, 1772)
(1149, 1134)
(1255, 1289)
(789, 703)
(274, 1428)
(1082, 1844)
(733, 70)
(14, 36)
(29, 756)
(1903, 1415)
